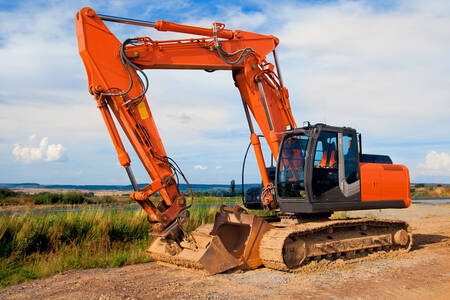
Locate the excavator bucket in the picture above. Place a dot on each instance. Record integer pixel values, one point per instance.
(231, 242)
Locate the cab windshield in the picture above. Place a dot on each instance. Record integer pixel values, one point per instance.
(291, 167)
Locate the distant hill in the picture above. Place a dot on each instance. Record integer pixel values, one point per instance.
(183, 187)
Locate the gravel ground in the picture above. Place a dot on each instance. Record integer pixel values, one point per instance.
(423, 273)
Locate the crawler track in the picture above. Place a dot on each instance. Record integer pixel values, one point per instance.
(288, 247)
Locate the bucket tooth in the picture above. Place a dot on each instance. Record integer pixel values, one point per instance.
(189, 256)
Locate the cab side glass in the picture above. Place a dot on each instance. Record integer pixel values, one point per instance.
(349, 144)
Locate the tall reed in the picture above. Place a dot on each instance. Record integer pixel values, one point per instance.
(33, 246)
(38, 245)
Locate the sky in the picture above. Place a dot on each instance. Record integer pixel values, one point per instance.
(381, 67)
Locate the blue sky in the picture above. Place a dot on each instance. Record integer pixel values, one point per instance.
(381, 67)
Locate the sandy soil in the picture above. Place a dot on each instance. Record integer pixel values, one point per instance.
(423, 273)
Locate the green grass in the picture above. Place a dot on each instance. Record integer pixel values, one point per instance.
(216, 200)
(33, 246)
(17, 269)
(38, 245)
(429, 191)
(199, 216)
(9, 197)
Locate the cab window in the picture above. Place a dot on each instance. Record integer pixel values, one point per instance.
(349, 144)
(325, 171)
(291, 166)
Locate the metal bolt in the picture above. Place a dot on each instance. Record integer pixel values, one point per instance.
(90, 13)
(164, 218)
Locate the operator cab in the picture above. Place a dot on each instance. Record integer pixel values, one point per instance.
(318, 169)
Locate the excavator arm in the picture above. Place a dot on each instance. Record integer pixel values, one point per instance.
(113, 70)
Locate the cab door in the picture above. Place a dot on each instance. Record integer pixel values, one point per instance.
(336, 175)
(325, 173)
(349, 175)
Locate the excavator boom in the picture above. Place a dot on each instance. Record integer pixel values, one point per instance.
(113, 68)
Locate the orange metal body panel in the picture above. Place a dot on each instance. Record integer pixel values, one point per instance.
(194, 53)
(385, 182)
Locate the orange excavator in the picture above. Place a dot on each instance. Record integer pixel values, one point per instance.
(319, 168)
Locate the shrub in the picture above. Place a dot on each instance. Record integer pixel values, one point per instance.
(73, 198)
(5, 193)
(57, 198)
(47, 198)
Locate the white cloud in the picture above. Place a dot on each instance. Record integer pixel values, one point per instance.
(44, 152)
(218, 167)
(181, 116)
(380, 70)
(435, 164)
(200, 167)
(54, 152)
